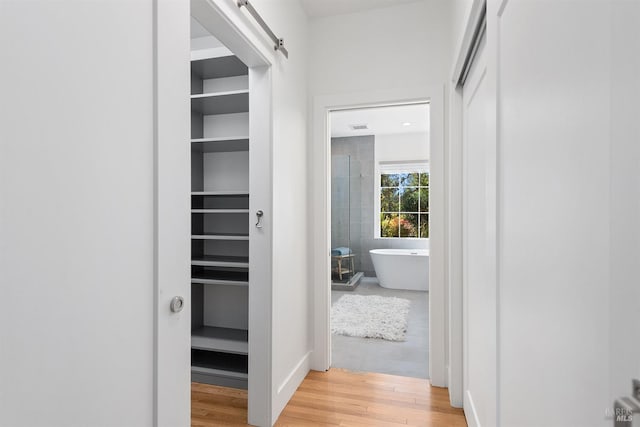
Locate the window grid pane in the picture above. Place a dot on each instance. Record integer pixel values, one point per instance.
(389, 226)
(408, 225)
(424, 226)
(404, 205)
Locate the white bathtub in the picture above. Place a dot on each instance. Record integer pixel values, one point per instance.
(402, 268)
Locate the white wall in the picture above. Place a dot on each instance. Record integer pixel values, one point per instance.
(402, 46)
(76, 213)
(402, 147)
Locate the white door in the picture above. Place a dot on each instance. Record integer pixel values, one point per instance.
(81, 158)
(479, 286)
(625, 201)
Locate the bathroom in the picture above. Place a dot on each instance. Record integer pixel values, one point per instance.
(380, 239)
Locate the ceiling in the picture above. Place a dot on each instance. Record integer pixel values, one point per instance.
(322, 8)
(381, 120)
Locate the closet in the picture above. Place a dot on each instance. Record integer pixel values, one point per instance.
(219, 217)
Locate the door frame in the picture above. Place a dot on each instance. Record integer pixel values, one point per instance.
(226, 22)
(321, 218)
(455, 206)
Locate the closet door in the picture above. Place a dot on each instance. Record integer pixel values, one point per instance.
(479, 286)
(87, 337)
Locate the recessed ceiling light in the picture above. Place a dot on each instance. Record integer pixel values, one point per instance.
(406, 124)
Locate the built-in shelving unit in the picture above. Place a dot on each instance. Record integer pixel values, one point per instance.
(219, 221)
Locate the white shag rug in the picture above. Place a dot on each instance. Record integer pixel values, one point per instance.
(370, 316)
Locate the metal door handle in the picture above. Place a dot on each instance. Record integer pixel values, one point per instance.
(259, 215)
(177, 304)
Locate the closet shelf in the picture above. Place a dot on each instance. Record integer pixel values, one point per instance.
(219, 376)
(236, 101)
(220, 261)
(218, 67)
(195, 369)
(220, 193)
(218, 282)
(219, 211)
(225, 340)
(213, 276)
(200, 281)
(228, 236)
(222, 362)
(220, 145)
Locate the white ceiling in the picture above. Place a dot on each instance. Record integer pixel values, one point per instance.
(321, 8)
(381, 120)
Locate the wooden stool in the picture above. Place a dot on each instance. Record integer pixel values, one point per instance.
(340, 270)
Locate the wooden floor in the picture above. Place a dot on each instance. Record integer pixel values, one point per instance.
(336, 398)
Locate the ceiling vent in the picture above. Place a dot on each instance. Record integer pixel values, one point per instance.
(363, 126)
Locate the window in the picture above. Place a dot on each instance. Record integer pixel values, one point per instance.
(404, 201)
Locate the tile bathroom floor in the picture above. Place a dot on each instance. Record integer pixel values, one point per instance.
(409, 358)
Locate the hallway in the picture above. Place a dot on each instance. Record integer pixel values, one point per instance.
(337, 398)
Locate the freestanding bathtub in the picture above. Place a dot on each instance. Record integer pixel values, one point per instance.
(402, 268)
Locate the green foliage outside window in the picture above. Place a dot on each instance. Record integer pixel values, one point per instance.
(404, 205)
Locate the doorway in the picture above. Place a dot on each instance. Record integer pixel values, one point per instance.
(380, 228)
(324, 107)
(231, 218)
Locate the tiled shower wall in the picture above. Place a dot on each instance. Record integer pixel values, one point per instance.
(361, 212)
(349, 205)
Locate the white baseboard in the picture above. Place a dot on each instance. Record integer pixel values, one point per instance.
(290, 385)
(470, 412)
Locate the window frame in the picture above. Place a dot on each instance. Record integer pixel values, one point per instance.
(397, 167)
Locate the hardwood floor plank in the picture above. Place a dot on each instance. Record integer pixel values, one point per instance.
(404, 402)
(337, 398)
(292, 421)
